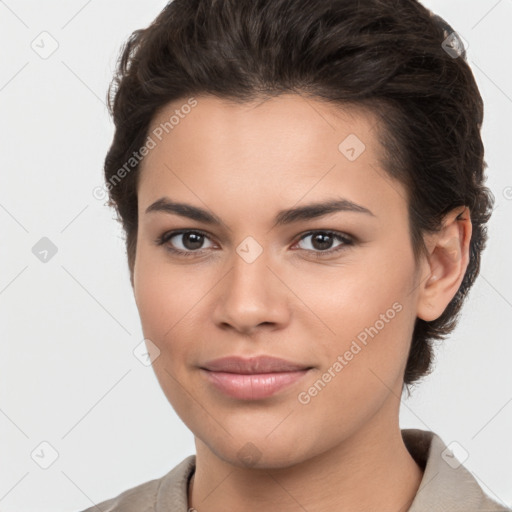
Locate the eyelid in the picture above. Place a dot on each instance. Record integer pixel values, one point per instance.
(327, 231)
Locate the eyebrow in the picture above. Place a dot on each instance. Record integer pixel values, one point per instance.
(284, 217)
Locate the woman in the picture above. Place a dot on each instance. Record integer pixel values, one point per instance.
(301, 187)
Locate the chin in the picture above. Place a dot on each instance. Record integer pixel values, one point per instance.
(251, 456)
(253, 448)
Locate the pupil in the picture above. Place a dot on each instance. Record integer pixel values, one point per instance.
(325, 241)
(195, 244)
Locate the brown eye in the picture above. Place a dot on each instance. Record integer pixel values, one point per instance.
(322, 242)
(191, 240)
(186, 242)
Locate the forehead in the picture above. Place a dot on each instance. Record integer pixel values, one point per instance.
(289, 121)
(283, 148)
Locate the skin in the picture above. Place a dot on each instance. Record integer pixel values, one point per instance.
(244, 163)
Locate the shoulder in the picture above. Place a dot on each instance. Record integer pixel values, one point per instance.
(446, 482)
(150, 496)
(140, 498)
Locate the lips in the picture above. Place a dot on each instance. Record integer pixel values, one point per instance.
(253, 365)
(254, 378)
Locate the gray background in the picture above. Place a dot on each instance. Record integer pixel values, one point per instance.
(69, 326)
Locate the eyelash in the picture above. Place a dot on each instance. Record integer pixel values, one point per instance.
(347, 241)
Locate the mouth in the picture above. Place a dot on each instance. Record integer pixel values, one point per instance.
(254, 378)
(253, 365)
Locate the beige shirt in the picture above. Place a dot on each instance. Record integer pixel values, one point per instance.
(446, 486)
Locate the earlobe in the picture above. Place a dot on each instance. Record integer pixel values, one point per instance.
(447, 264)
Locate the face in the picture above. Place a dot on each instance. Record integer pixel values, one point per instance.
(334, 293)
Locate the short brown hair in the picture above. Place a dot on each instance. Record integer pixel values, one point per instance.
(390, 57)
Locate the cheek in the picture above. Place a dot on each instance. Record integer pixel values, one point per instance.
(368, 314)
(169, 300)
(160, 295)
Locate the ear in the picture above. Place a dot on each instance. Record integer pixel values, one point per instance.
(447, 263)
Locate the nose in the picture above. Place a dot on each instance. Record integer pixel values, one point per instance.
(252, 295)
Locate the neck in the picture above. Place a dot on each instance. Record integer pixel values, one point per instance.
(371, 470)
